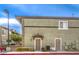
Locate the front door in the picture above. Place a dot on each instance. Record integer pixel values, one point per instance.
(38, 44)
(58, 44)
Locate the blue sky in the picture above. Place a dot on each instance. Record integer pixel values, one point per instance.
(35, 10)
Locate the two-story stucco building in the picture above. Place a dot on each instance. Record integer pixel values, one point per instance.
(60, 33)
(4, 35)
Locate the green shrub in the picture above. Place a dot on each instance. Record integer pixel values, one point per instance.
(24, 49)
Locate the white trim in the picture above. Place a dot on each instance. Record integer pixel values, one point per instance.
(35, 43)
(64, 28)
(60, 43)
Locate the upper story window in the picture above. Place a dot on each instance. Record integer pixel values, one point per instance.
(63, 24)
(1, 32)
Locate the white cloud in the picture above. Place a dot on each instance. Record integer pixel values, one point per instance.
(2, 13)
(12, 21)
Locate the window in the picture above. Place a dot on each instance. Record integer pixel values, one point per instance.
(1, 32)
(63, 24)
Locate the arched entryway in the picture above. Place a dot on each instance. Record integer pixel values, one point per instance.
(37, 42)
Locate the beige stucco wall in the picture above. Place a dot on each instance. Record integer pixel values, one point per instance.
(50, 34)
(40, 22)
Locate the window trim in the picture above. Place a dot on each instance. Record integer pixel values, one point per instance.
(63, 27)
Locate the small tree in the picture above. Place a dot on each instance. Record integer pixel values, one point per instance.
(16, 37)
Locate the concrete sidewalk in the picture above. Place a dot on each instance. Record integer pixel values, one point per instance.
(39, 53)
